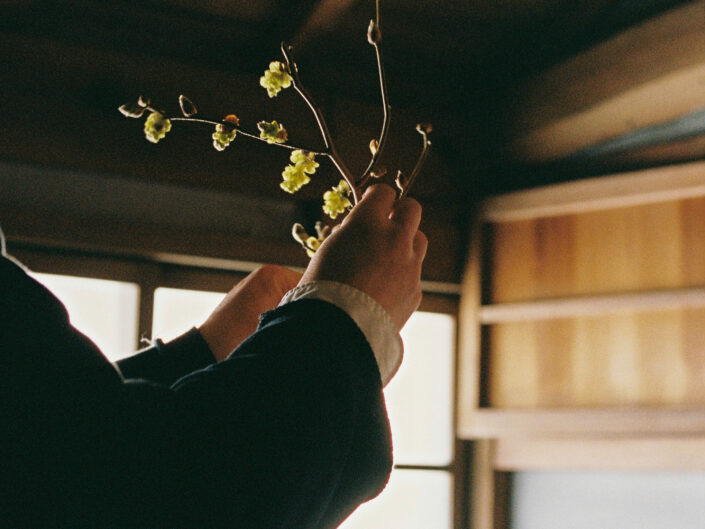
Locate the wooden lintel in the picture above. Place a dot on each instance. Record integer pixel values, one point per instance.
(649, 74)
(637, 188)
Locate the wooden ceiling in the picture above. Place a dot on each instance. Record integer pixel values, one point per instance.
(458, 64)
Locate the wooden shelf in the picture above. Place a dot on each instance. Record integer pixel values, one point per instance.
(591, 306)
(486, 423)
(658, 453)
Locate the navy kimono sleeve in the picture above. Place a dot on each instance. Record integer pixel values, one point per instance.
(290, 432)
(165, 363)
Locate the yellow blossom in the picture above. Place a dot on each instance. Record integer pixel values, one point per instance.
(305, 160)
(294, 178)
(156, 126)
(272, 131)
(223, 136)
(275, 78)
(312, 244)
(335, 201)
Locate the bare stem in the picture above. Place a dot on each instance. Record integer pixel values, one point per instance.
(332, 153)
(419, 162)
(375, 38)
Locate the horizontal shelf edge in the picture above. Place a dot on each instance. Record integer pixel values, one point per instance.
(586, 306)
(490, 423)
(683, 454)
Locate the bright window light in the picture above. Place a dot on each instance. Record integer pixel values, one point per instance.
(420, 396)
(177, 310)
(413, 499)
(619, 500)
(105, 311)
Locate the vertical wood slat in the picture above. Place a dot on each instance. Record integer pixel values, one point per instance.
(469, 331)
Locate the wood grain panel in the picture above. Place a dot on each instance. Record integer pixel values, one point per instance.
(637, 359)
(639, 248)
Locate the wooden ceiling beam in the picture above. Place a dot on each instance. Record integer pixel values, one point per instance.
(650, 74)
(323, 17)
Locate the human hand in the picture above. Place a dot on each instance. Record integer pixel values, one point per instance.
(378, 249)
(237, 316)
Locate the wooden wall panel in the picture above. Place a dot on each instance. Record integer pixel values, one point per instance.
(634, 359)
(639, 248)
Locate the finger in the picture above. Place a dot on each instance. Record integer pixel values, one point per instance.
(407, 215)
(375, 205)
(420, 244)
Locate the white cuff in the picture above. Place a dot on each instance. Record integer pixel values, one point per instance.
(374, 322)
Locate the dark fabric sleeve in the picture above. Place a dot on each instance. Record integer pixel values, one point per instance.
(289, 432)
(165, 363)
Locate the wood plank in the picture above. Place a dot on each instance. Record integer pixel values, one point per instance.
(621, 85)
(631, 249)
(636, 188)
(583, 423)
(626, 359)
(207, 248)
(483, 499)
(592, 306)
(469, 340)
(685, 454)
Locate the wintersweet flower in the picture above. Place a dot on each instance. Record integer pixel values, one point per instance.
(273, 132)
(275, 79)
(223, 136)
(309, 242)
(305, 160)
(312, 244)
(156, 126)
(295, 178)
(336, 200)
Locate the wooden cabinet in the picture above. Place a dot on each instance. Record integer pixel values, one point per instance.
(583, 309)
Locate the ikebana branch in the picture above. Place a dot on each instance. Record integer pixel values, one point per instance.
(337, 200)
(287, 52)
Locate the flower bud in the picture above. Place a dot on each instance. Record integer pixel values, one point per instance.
(401, 181)
(298, 232)
(374, 35)
(188, 109)
(374, 146)
(232, 118)
(424, 127)
(132, 110)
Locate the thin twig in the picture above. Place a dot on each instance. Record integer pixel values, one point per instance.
(375, 39)
(419, 162)
(287, 52)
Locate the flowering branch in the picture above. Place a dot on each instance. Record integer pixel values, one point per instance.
(332, 153)
(279, 76)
